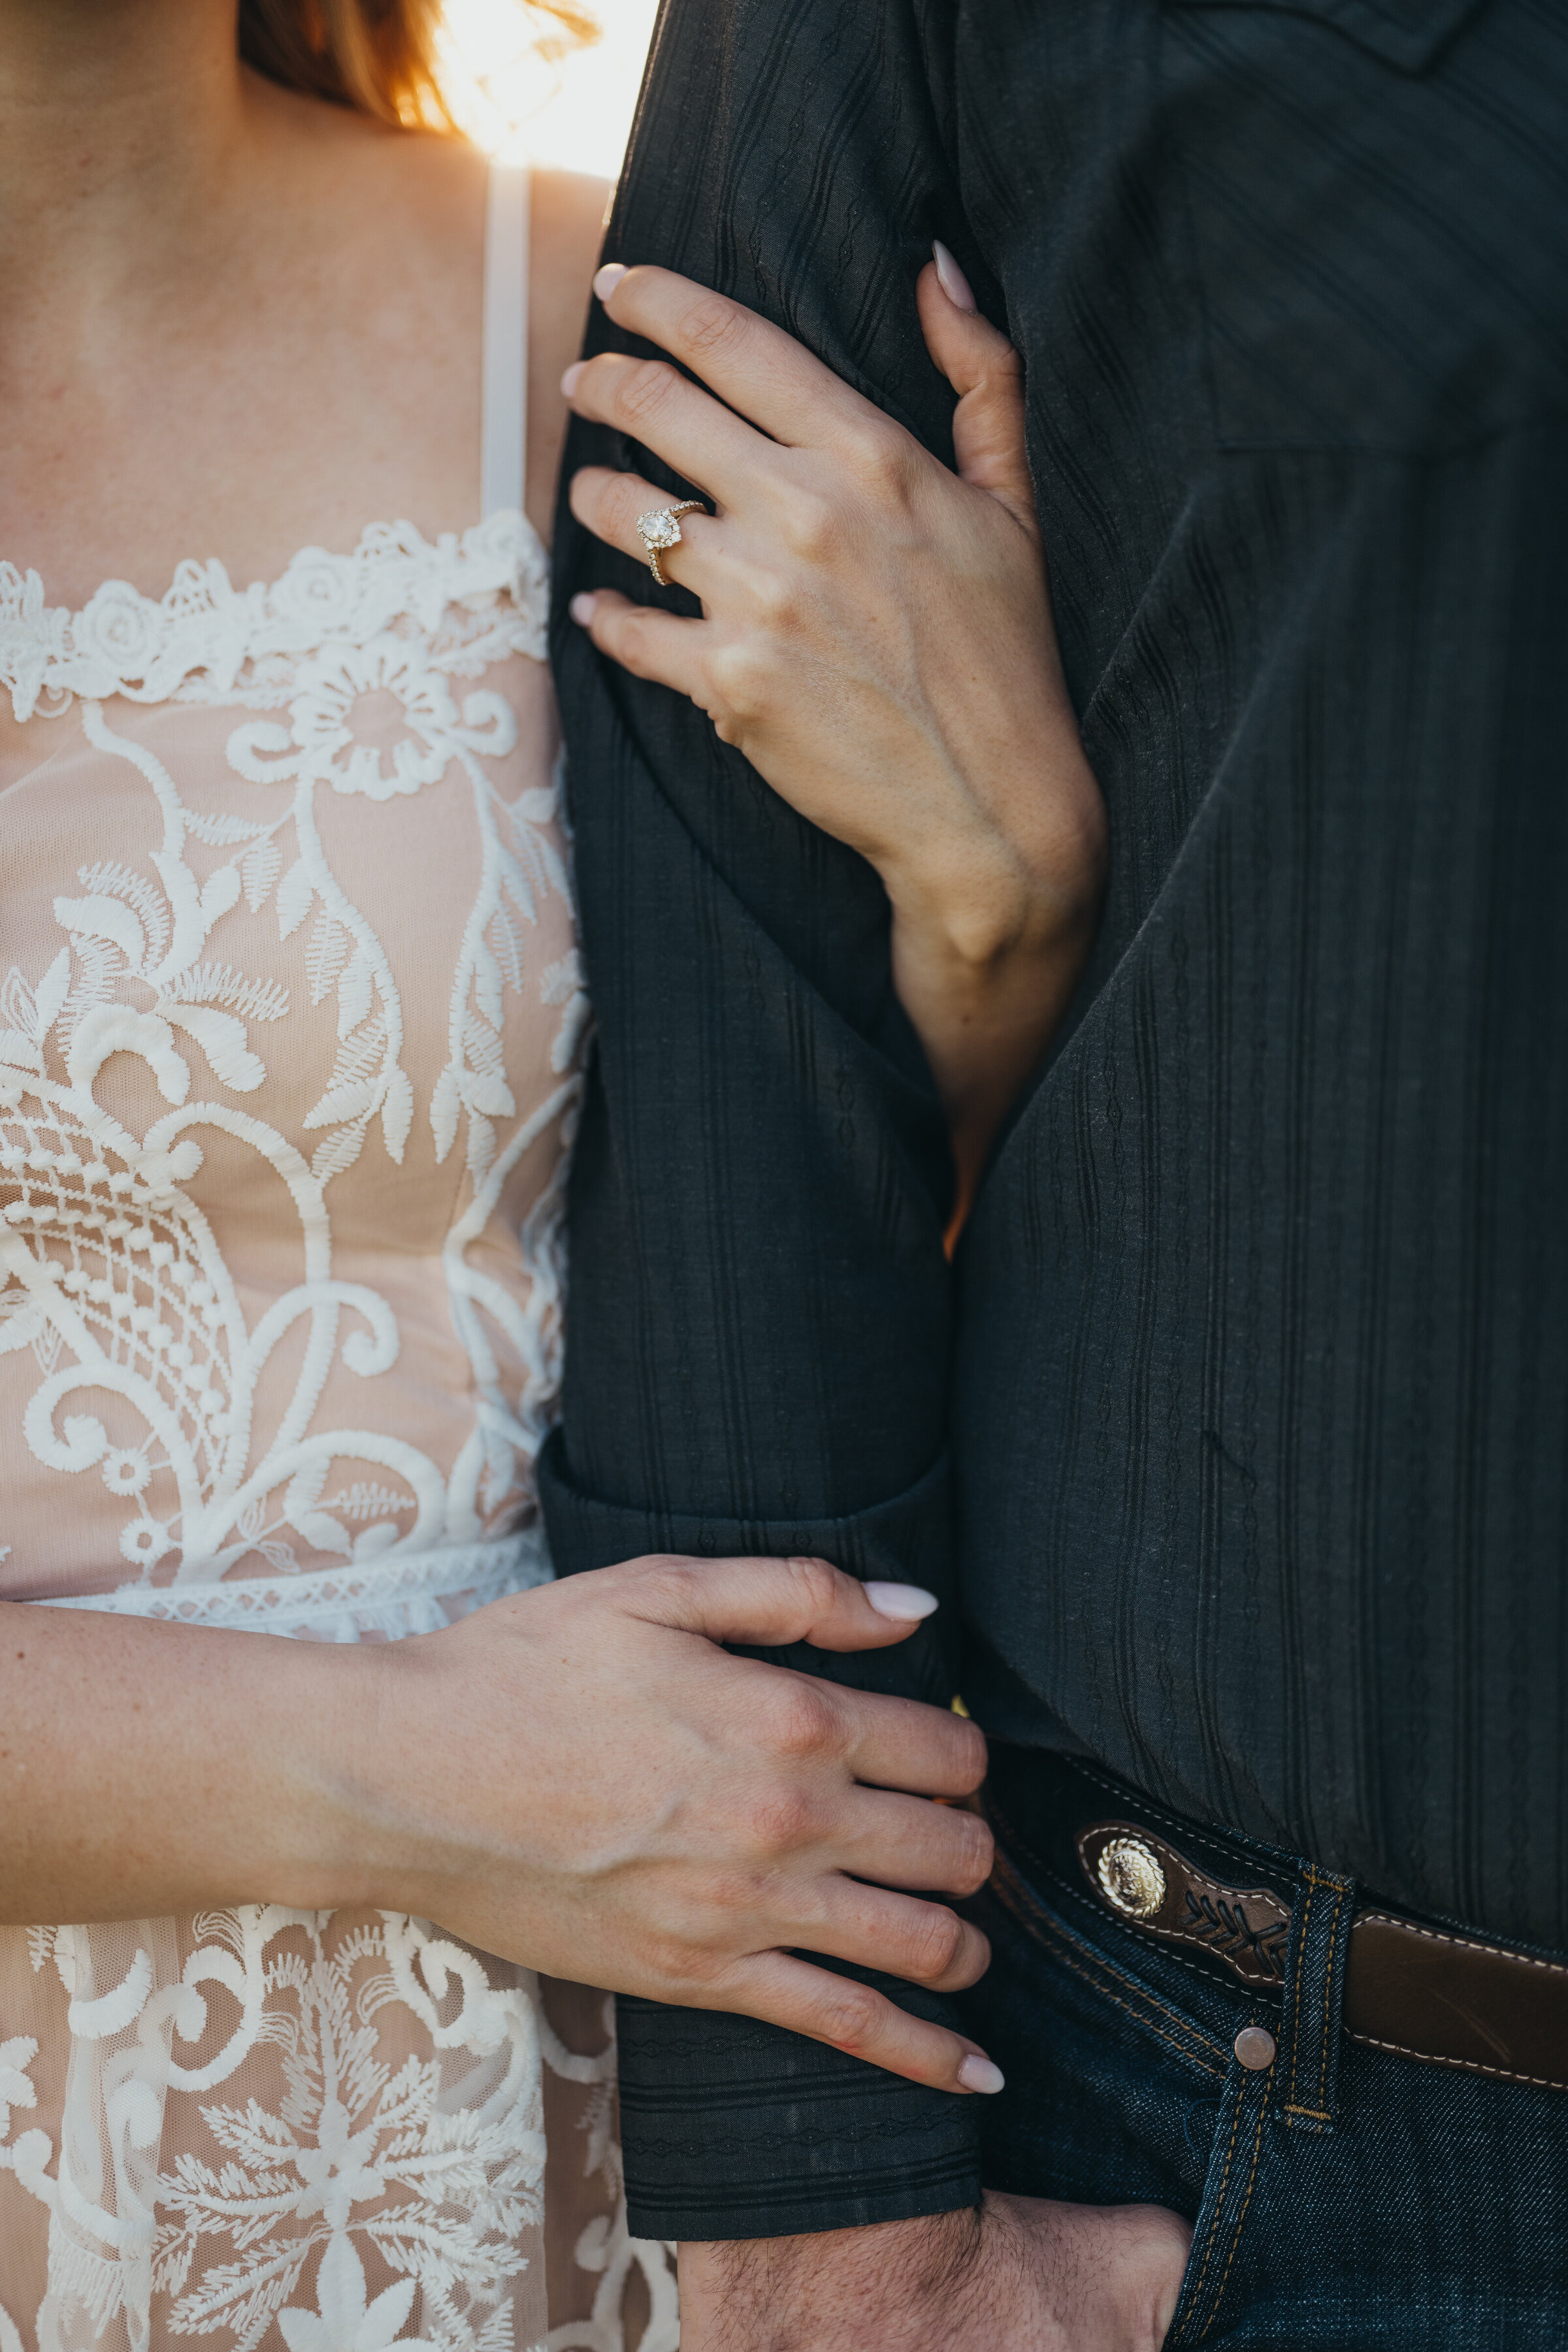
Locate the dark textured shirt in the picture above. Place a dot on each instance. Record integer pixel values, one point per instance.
(1253, 1365)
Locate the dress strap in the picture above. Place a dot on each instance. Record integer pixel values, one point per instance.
(504, 417)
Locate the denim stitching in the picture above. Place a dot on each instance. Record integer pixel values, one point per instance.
(1246, 2201)
(1217, 2223)
(1328, 2005)
(1322, 2113)
(1058, 1933)
(1293, 1992)
(1070, 1893)
(1099, 1959)
(1287, 1863)
(1088, 1967)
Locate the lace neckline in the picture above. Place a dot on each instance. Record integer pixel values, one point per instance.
(206, 641)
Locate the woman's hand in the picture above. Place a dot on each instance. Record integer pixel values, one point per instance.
(876, 638)
(602, 1791)
(578, 1778)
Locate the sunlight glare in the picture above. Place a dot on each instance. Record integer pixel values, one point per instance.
(519, 90)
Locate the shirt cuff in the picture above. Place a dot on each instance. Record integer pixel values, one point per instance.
(736, 2129)
(907, 1540)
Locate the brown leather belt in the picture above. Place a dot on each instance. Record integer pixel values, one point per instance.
(1425, 1992)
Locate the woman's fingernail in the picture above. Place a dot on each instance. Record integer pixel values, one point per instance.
(977, 2074)
(573, 376)
(954, 284)
(605, 281)
(582, 605)
(906, 1600)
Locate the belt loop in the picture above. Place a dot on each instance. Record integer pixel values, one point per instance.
(1308, 2063)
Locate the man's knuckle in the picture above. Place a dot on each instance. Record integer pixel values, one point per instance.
(980, 1854)
(969, 1753)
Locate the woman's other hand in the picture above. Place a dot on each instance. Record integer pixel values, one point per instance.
(876, 638)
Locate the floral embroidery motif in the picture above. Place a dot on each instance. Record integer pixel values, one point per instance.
(206, 641)
(322, 2131)
(361, 2158)
(112, 1275)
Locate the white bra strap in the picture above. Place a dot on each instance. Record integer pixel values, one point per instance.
(504, 415)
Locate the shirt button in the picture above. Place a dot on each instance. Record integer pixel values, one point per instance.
(1254, 2047)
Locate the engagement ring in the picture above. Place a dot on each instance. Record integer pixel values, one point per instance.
(661, 529)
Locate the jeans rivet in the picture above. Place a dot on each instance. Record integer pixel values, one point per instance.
(1255, 2047)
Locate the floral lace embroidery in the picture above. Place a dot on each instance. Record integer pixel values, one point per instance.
(403, 2138)
(431, 2167)
(112, 1275)
(208, 642)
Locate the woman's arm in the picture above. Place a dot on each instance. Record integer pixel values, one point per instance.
(578, 1778)
(876, 638)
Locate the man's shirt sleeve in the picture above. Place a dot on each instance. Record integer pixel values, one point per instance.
(759, 1318)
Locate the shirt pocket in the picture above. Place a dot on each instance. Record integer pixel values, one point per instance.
(1379, 199)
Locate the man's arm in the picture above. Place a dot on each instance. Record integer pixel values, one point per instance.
(759, 1320)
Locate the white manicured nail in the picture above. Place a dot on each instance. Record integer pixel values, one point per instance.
(570, 381)
(906, 1600)
(581, 607)
(605, 281)
(977, 2074)
(954, 284)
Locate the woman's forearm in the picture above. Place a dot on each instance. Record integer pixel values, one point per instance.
(150, 1768)
(737, 1816)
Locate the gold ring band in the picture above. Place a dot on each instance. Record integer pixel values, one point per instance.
(660, 530)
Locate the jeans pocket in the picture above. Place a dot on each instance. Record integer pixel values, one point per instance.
(1171, 2024)
(1236, 2158)
(1220, 2114)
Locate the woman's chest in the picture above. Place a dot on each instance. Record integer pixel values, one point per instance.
(320, 958)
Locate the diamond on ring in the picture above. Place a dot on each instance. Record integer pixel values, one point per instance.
(661, 528)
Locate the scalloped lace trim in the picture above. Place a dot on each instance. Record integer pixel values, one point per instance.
(206, 641)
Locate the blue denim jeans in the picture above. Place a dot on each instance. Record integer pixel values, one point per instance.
(1343, 2197)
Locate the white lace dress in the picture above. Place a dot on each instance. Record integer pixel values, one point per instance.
(291, 1037)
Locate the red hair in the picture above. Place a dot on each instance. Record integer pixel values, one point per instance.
(376, 56)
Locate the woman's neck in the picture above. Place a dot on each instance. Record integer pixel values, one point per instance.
(123, 127)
